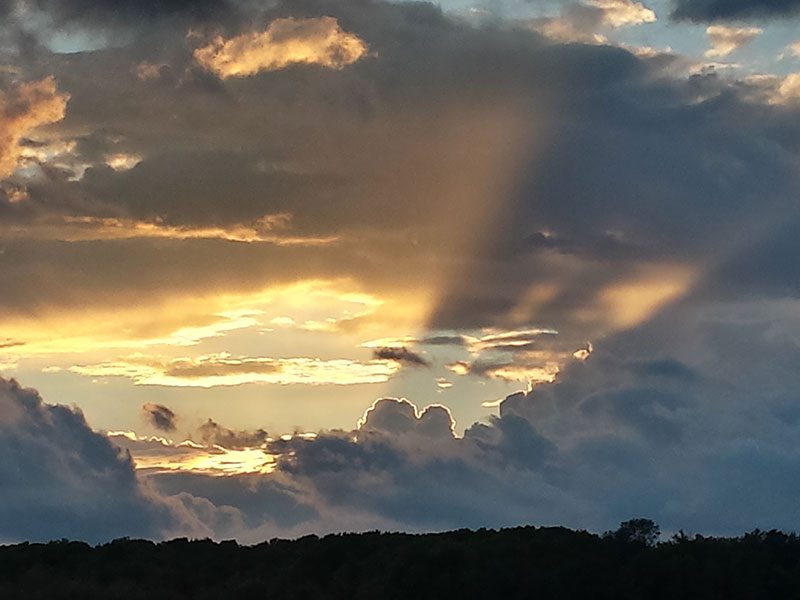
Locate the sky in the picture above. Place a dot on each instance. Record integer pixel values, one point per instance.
(279, 267)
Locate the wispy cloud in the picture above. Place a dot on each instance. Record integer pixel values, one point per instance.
(226, 370)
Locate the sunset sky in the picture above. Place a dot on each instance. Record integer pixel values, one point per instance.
(275, 267)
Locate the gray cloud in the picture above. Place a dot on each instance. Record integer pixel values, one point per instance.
(61, 479)
(159, 416)
(720, 10)
(401, 355)
(622, 168)
(592, 113)
(127, 12)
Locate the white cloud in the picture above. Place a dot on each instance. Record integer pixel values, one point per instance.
(725, 39)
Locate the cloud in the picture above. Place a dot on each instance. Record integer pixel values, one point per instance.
(128, 13)
(23, 108)
(792, 49)
(720, 10)
(523, 368)
(268, 229)
(159, 416)
(285, 42)
(725, 40)
(157, 455)
(61, 479)
(788, 90)
(585, 22)
(576, 149)
(401, 355)
(222, 369)
(623, 13)
(212, 433)
(393, 417)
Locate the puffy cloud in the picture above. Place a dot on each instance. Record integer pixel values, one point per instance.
(23, 108)
(285, 42)
(159, 416)
(724, 39)
(622, 13)
(576, 23)
(793, 49)
(61, 479)
(717, 10)
(585, 22)
(401, 418)
(788, 89)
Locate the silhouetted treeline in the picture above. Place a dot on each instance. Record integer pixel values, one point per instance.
(526, 562)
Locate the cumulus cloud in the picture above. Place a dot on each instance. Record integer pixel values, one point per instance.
(585, 22)
(724, 40)
(61, 479)
(718, 10)
(401, 418)
(160, 416)
(285, 42)
(694, 365)
(622, 13)
(23, 108)
(788, 90)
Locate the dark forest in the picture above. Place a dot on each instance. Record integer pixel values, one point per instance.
(525, 562)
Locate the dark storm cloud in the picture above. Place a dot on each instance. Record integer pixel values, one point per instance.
(61, 479)
(159, 416)
(126, 12)
(720, 10)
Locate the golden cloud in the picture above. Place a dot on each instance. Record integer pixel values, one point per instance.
(285, 42)
(267, 229)
(22, 109)
(216, 370)
(161, 455)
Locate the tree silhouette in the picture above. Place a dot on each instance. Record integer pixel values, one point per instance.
(637, 531)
